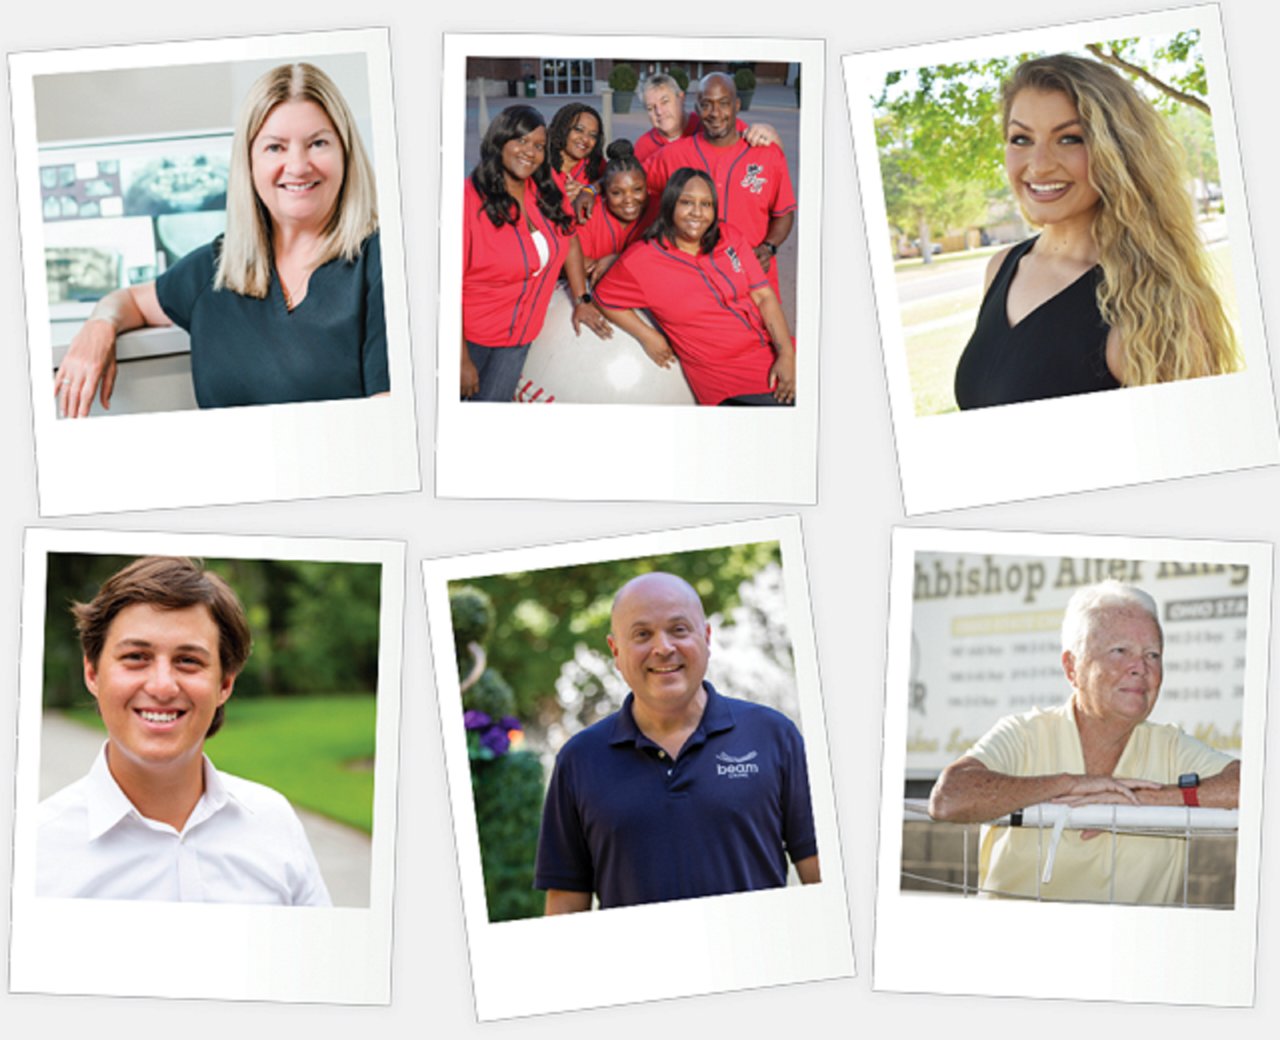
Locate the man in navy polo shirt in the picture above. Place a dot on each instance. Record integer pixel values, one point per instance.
(683, 792)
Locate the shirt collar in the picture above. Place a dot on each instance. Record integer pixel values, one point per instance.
(717, 716)
(108, 804)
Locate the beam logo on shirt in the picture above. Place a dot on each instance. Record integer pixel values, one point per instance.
(754, 179)
(736, 767)
(734, 260)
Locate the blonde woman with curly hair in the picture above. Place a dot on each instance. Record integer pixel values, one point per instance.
(287, 305)
(1116, 289)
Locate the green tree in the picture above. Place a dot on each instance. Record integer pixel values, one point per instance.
(939, 137)
(1184, 84)
(540, 617)
(938, 134)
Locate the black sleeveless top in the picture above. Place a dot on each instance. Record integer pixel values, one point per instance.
(1057, 350)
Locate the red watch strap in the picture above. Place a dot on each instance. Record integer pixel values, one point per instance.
(1191, 796)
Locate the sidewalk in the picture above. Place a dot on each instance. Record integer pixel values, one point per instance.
(67, 749)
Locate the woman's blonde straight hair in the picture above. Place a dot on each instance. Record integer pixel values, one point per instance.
(244, 265)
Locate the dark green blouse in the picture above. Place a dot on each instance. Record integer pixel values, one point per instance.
(246, 351)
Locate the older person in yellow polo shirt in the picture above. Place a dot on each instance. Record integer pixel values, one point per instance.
(1097, 748)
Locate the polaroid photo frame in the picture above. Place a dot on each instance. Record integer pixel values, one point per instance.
(219, 455)
(974, 635)
(745, 940)
(570, 451)
(225, 951)
(1047, 447)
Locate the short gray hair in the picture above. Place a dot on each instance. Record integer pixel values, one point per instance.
(1088, 602)
(660, 80)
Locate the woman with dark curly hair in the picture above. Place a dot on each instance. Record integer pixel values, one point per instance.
(517, 237)
(700, 279)
(575, 141)
(1116, 289)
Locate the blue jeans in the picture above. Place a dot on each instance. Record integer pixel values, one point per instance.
(499, 369)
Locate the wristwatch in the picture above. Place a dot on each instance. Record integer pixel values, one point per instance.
(585, 297)
(1189, 783)
(771, 246)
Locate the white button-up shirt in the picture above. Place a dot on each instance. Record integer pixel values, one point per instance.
(242, 843)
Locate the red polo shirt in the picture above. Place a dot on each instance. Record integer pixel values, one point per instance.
(704, 306)
(578, 173)
(753, 184)
(650, 143)
(604, 234)
(504, 294)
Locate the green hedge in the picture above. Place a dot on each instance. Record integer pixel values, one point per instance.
(508, 798)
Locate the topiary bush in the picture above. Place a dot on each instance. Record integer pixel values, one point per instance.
(624, 78)
(506, 784)
(508, 799)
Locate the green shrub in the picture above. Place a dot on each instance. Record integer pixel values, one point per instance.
(508, 800)
(472, 612)
(680, 75)
(624, 78)
(492, 695)
(744, 79)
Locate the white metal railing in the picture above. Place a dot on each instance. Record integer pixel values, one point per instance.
(1169, 821)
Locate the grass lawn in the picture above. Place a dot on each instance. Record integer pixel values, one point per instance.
(316, 751)
(931, 363)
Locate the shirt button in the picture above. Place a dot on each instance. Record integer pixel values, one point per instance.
(670, 771)
(662, 754)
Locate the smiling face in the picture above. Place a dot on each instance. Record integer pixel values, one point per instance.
(1046, 158)
(626, 194)
(694, 214)
(582, 138)
(718, 107)
(1119, 671)
(522, 155)
(298, 165)
(661, 642)
(666, 111)
(158, 682)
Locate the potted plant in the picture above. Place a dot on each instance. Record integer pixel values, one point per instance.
(624, 80)
(745, 80)
(680, 75)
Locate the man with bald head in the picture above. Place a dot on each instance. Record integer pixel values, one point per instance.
(753, 184)
(664, 103)
(683, 792)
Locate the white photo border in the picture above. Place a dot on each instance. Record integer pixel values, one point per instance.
(222, 455)
(337, 955)
(1069, 950)
(1139, 435)
(728, 454)
(747, 940)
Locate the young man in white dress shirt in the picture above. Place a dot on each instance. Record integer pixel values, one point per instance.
(163, 642)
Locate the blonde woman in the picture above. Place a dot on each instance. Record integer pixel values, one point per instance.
(1115, 290)
(287, 304)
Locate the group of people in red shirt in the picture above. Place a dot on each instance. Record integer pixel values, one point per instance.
(684, 224)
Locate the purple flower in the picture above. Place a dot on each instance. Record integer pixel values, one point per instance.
(495, 740)
(473, 719)
(510, 722)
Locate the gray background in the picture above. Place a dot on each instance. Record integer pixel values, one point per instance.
(846, 535)
(173, 99)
